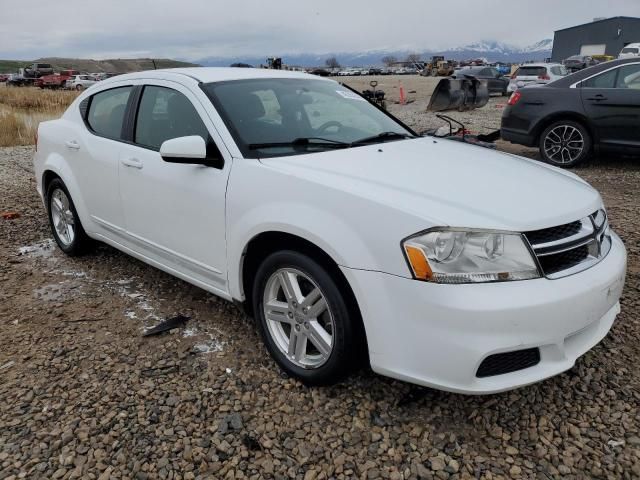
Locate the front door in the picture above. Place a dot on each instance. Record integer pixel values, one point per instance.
(175, 213)
(612, 101)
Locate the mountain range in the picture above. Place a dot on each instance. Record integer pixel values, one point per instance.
(491, 50)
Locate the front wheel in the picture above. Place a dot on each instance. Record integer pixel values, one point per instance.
(304, 318)
(565, 143)
(79, 87)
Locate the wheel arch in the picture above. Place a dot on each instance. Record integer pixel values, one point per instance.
(56, 167)
(270, 241)
(567, 115)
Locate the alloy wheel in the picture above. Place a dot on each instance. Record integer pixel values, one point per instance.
(298, 318)
(62, 217)
(564, 144)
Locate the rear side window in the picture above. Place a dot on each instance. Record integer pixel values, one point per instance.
(106, 112)
(604, 80)
(165, 114)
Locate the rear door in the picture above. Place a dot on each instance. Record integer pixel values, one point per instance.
(175, 213)
(98, 148)
(612, 101)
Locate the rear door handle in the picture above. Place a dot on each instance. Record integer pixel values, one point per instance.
(597, 98)
(72, 144)
(132, 162)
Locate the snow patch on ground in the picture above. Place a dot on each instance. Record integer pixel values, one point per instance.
(43, 249)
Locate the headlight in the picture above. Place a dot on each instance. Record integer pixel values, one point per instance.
(469, 256)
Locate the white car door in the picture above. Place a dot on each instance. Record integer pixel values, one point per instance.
(97, 147)
(175, 213)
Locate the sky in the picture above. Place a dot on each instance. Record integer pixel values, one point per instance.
(197, 29)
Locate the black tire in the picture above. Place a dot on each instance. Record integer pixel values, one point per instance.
(81, 241)
(565, 158)
(344, 354)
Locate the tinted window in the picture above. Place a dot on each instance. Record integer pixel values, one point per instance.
(604, 80)
(165, 114)
(531, 71)
(629, 77)
(106, 111)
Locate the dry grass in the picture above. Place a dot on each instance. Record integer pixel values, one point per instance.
(22, 108)
(14, 130)
(35, 99)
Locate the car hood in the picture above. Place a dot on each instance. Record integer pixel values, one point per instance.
(443, 182)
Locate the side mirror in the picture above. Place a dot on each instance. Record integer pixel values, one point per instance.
(191, 149)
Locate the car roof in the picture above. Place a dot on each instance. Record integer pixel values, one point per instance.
(632, 45)
(541, 64)
(211, 74)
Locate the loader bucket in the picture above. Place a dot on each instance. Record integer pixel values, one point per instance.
(459, 94)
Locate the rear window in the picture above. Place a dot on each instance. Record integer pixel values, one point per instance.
(44, 65)
(531, 71)
(106, 112)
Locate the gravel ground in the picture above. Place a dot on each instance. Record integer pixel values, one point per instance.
(84, 395)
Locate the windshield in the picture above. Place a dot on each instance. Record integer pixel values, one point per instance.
(290, 116)
(630, 50)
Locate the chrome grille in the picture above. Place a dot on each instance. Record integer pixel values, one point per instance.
(567, 249)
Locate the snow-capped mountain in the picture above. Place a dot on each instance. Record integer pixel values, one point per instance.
(491, 50)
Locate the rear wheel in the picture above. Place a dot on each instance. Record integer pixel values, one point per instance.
(304, 318)
(64, 221)
(565, 143)
(79, 87)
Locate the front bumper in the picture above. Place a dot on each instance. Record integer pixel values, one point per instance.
(437, 335)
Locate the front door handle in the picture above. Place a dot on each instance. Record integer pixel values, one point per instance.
(72, 144)
(132, 162)
(597, 98)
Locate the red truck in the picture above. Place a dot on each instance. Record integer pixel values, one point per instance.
(57, 80)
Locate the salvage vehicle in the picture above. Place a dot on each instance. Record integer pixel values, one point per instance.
(79, 82)
(631, 50)
(496, 81)
(37, 70)
(597, 109)
(57, 80)
(346, 236)
(533, 73)
(578, 62)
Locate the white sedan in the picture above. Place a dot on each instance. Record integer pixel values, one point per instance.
(349, 238)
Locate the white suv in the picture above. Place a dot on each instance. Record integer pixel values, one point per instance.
(346, 236)
(532, 73)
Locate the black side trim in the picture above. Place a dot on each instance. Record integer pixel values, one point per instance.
(508, 362)
(129, 122)
(84, 107)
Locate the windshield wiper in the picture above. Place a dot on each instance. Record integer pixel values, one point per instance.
(301, 142)
(381, 137)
